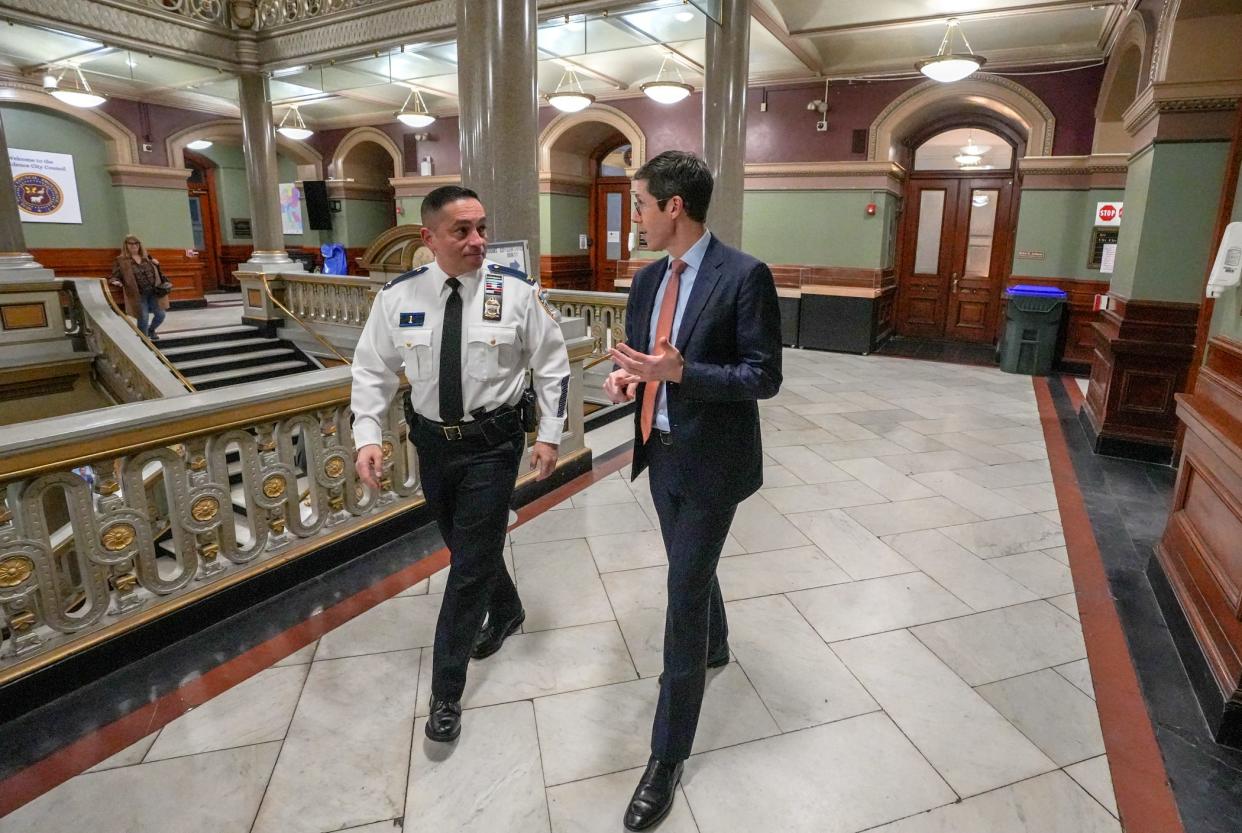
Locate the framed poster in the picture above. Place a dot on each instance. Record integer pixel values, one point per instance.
(513, 254)
(45, 186)
(290, 208)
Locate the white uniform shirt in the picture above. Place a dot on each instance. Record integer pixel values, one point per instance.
(404, 330)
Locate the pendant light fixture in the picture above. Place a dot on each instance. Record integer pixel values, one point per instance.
(947, 66)
(77, 94)
(569, 96)
(666, 90)
(199, 144)
(419, 116)
(298, 131)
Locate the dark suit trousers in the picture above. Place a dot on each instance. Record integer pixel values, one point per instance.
(469, 486)
(694, 530)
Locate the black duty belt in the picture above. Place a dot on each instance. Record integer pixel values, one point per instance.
(493, 426)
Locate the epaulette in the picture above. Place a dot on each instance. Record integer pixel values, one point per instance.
(408, 274)
(516, 273)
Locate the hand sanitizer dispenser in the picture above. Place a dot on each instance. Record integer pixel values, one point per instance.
(1228, 266)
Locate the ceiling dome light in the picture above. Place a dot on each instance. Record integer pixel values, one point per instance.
(83, 96)
(298, 131)
(967, 159)
(419, 116)
(666, 90)
(979, 200)
(199, 144)
(566, 98)
(949, 66)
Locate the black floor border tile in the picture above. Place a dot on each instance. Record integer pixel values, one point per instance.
(1122, 498)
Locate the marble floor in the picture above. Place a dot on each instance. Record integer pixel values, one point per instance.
(906, 657)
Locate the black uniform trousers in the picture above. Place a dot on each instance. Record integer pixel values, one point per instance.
(694, 530)
(469, 486)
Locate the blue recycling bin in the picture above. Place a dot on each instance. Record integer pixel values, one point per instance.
(334, 262)
(1032, 322)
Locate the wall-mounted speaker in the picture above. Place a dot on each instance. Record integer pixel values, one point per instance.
(318, 212)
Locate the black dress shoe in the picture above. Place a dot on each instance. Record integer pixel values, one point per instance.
(493, 634)
(653, 797)
(714, 661)
(444, 723)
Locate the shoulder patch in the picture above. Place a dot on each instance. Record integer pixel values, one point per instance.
(496, 268)
(409, 274)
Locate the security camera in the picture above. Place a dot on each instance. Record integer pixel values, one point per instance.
(818, 105)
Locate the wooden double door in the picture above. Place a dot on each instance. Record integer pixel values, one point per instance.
(957, 242)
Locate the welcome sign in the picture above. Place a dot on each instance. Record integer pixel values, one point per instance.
(45, 186)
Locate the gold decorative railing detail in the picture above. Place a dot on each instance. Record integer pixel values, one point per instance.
(604, 313)
(101, 533)
(336, 300)
(207, 11)
(305, 326)
(279, 12)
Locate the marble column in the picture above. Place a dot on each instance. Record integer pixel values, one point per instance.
(496, 74)
(16, 264)
(724, 116)
(259, 147)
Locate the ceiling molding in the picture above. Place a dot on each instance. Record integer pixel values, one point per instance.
(809, 58)
(348, 33)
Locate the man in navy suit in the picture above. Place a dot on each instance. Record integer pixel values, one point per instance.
(703, 344)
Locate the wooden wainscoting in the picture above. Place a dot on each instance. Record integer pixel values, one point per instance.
(185, 273)
(1142, 355)
(1200, 552)
(569, 272)
(1076, 346)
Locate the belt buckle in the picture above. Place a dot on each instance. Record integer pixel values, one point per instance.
(666, 437)
(450, 431)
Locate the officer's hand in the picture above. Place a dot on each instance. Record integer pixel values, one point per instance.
(664, 365)
(620, 386)
(370, 465)
(543, 458)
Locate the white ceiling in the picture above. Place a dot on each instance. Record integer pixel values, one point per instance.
(612, 54)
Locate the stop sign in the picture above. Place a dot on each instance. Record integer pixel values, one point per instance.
(1108, 212)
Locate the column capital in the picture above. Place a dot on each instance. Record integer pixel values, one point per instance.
(1183, 111)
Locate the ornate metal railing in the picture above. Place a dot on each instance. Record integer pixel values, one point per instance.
(208, 11)
(279, 12)
(604, 313)
(171, 502)
(320, 299)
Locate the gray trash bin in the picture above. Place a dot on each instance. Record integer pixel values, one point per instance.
(1032, 322)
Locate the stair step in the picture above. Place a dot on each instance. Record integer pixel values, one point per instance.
(219, 361)
(228, 348)
(249, 374)
(209, 335)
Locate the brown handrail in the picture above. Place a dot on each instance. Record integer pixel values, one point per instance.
(305, 326)
(134, 326)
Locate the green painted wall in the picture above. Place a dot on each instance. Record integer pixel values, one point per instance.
(233, 195)
(160, 217)
(1227, 313)
(103, 226)
(409, 210)
(360, 221)
(1170, 211)
(562, 217)
(818, 228)
(1059, 224)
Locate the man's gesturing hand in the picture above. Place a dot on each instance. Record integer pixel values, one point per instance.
(664, 365)
(621, 386)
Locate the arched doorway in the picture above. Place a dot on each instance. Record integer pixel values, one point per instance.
(610, 211)
(205, 220)
(958, 229)
(359, 185)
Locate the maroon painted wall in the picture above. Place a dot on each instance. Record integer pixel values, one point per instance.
(154, 123)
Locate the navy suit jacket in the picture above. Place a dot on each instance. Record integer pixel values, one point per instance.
(730, 338)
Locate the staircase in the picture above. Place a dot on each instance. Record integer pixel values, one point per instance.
(219, 356)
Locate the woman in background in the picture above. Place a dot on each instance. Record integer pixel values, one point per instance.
(139, 275)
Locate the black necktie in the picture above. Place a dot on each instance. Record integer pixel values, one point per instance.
(451, 407)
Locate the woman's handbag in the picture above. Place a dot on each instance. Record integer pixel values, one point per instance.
(164, 286)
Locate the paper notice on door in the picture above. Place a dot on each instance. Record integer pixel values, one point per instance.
(1108, 255)
(614, 236)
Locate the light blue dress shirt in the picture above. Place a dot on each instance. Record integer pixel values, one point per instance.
(693, 259)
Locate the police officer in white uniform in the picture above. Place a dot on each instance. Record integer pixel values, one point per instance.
(466, 331)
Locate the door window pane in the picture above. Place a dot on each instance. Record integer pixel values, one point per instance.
(612, 247)
(196, 222)
(964, 149)
(931, 218)
(981, 232)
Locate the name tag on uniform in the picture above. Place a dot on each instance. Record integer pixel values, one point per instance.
(412, 319)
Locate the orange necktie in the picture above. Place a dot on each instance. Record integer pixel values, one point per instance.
(664, 329)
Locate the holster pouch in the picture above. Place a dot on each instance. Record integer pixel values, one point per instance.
(529, 410)
(500, 428)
